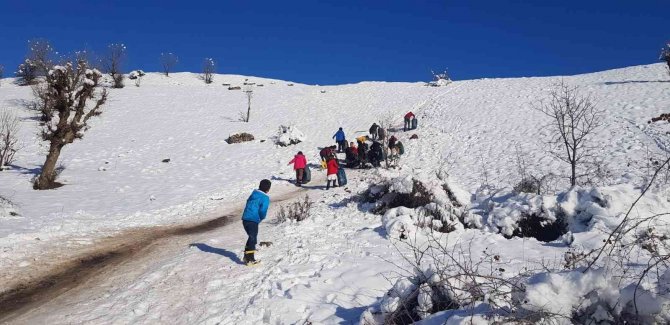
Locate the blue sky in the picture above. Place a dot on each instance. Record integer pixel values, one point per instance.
(332, 42)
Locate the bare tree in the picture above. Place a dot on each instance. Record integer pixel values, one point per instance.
(249, 92)
(208, 68)
(42, 54)
(70, 87)
(9, 142)
(113, 61)
(168, 61)
(573, 119)
(42, 103)
(665, 55)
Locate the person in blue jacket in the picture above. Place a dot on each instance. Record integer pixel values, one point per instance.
(341, 140)
(254, 212)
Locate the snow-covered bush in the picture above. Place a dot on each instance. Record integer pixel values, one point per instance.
(411, 204)
(296, 211)
(288, 135)
(595, 297)
(137, 76)
(240, 137)
(544, 218)
(440, 79)
(27, 72)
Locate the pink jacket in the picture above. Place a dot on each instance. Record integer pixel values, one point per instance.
(299, 161)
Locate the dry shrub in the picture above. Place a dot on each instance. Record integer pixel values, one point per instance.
(662, 117)
(533, 225)
(240, 137)
(297, 211)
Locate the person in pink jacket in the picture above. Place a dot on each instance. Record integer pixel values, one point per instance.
(299, 162)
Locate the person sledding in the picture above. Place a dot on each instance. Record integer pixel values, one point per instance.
(331, 174)
(255, 211)
(299, 163)
(408, 121)
(341, 140)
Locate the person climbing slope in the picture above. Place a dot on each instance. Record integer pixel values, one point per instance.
(255, 211)
(331, 174)
(341, 140)
(374, 131)
(299, 162)
(408, 121)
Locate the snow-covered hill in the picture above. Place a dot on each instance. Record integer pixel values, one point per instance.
(115, 178)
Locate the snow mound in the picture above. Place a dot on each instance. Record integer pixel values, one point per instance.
(289, 135)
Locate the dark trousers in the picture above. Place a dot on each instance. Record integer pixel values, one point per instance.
(341, 145)
(251, 228)
(298, 175)
(408, 125)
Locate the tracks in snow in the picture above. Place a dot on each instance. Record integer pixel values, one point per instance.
(107, 255)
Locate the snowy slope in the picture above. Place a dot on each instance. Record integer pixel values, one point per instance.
(115, 179)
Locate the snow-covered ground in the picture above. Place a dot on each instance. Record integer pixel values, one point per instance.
(327, 269)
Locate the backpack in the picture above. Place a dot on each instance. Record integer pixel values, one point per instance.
(306, 175)
(341, 177)
(401, 148)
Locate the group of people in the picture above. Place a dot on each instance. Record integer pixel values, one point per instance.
(358, 154)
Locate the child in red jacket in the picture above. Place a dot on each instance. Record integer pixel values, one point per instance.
(299, 162)
(332, 172)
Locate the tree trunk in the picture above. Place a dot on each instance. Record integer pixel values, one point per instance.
(573, 177)
(48, 175)
(248, 109)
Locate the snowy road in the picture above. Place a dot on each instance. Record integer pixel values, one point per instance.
(326, 269)
(120, 259)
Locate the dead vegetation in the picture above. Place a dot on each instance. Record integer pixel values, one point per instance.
(240, 137)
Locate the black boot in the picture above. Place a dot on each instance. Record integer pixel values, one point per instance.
(249, 258)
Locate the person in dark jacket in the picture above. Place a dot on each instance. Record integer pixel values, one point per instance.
(374, 129)
(327, 152)
(362, 153)
(376, 154)
(255, 211)
(341, 140)
(392, 141)
(408, 121)
(352, 155)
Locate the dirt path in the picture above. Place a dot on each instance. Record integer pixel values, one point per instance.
(123, 253)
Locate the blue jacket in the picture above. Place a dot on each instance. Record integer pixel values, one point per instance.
(339, 136)
(257, 206)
